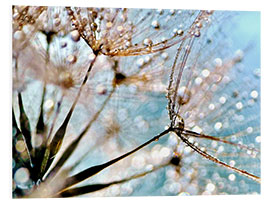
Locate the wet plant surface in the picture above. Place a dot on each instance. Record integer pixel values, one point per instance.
(134, 102)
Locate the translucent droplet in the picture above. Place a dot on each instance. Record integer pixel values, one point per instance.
(172, 11)
(37, 141)
(222, 100)
(210, 187)
(220, 149)
(75, 35)
(239, 54)
(94, 26)
(21, 175)
(258, 139)
(254, 94)
(165, 152)
(199, 25)
(180, 32)
(138, 162)
(120, 28)
(49, 104)
(239, 105)
(205, 73)
(218, 126)
(160, 11)
(231, 177)
(232, 163)
(211, 106)
(71, 59)
(218, 62)
(249, 130)
(165, 55)
(147, 42)
(257, 72)
(109, 24)
(20, 146)
(155, 24)
(197, 33)
(147, 59)
(140, 62)
(198, 80)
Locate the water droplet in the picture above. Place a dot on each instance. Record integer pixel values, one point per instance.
(199, 25)
(232, 163)
(140, 62)
(120, 28)
(205, 73)
(94, 26)
(198, 80)
(218, 126)
(147, 59)
(165, 55)
(172, 11)
(249, 130)
(239, 54)
(21, 175)
(254, 94)
(49, 104)
(155, 24)
(231, 177)
(197, 33)
(258, 139)
(180, 32)
(75, 35)
(239, 105)
(71, 59)
(211, 106)
(20, 146)
(147, 42)
(218, 62)
(222, 100)
(210, 187)
(257, 72)
(220, 149)
(109, 24)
